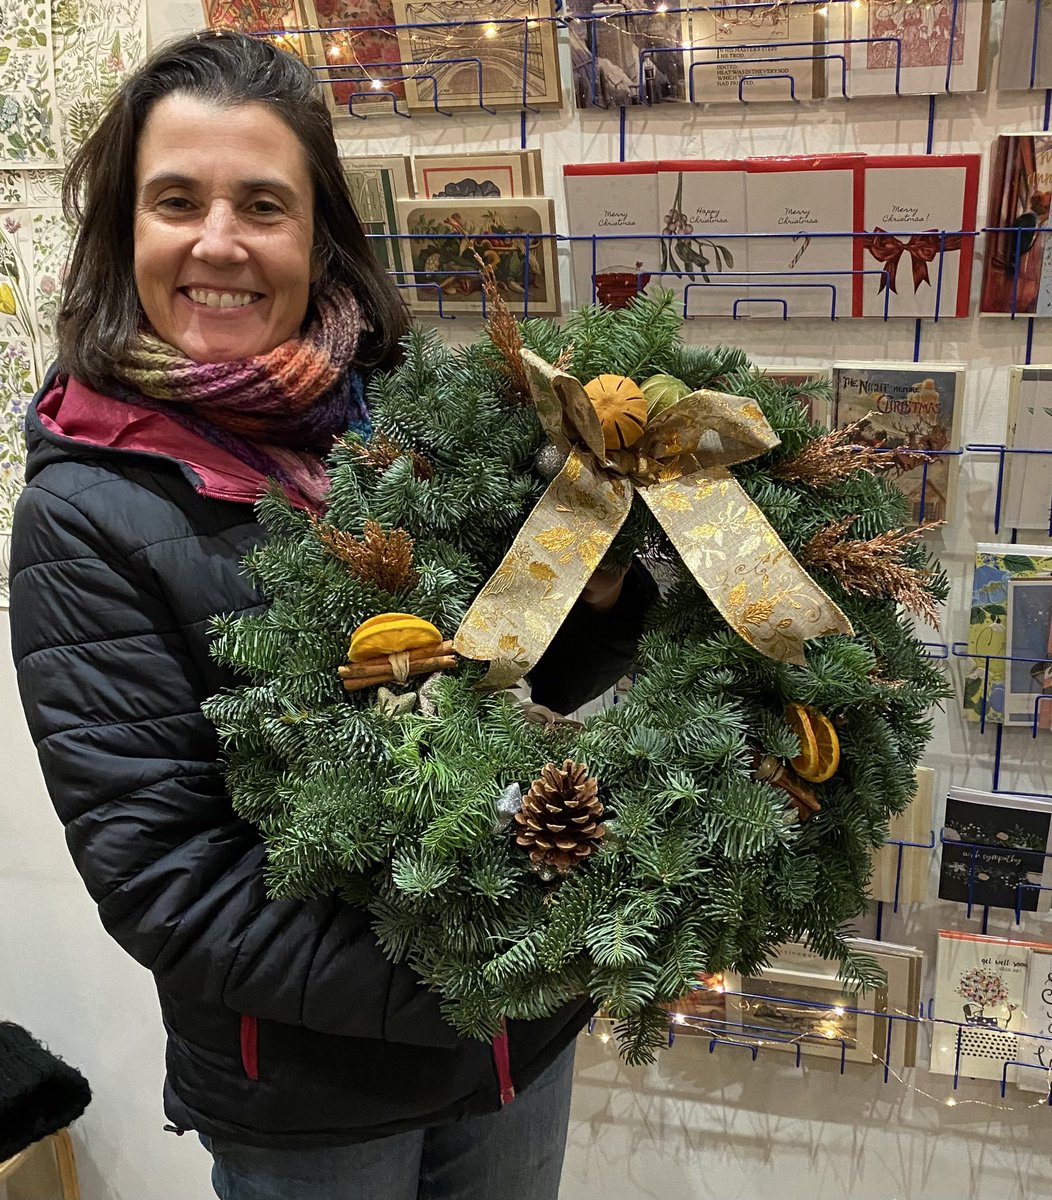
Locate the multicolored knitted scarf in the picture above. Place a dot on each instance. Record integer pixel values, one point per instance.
(278, 412)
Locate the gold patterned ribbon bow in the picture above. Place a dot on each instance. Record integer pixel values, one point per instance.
(679, 469)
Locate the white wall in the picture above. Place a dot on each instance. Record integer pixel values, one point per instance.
(695, 1125)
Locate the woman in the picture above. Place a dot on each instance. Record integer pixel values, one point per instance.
(221, 312)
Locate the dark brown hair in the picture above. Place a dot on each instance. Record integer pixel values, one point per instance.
(100, 313)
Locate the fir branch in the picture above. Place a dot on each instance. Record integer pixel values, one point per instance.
(384, 559)
(835, 456)
(874, 567)
(504, 333)
(383, 452)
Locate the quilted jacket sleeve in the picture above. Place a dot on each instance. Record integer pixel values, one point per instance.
(112, 696)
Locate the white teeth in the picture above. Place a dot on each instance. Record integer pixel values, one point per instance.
(221, 299)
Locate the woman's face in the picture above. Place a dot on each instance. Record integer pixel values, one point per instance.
(224, 228)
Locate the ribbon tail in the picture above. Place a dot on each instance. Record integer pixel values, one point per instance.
(742, 565)
(512, 621)
(920, 273)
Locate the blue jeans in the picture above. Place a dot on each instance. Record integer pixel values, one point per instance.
(513, 1154)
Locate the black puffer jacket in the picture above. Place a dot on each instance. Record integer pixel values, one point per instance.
(286, 1025)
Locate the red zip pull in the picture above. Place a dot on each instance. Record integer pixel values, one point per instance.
(502, 1061)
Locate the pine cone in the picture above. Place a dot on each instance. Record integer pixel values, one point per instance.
(559, 821)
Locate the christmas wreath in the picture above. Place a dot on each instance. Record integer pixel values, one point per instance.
(729, 802)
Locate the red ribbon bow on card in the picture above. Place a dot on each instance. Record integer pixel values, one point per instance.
(921, 247)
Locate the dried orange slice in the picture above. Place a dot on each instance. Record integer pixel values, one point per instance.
(819, 755)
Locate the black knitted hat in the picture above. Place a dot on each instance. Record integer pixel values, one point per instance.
(39, 1093)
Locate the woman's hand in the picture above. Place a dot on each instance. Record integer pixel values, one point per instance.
(603, 589)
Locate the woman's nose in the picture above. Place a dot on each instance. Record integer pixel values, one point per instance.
(219, 237)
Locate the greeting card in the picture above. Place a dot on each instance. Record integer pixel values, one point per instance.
(474, 54)
(703, 257)
(763, 52)
(900, 866)
(897, 47)
(376, 185)
(788, 1007)
(1035, 1049)
(980, 990)
(359, 50)
(498, 174)
(623, 55)
(917, 216)
(1026, 494)
(990, 694)
(795, 268)
(612, 212)
(514, 237)
(1017, 266)
(1025, 55)
(907, 406)
(994, 848)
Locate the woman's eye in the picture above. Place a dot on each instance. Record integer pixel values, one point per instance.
(266, 208)
(175, 204)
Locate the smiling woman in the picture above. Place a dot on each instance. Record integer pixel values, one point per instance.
(219, 323)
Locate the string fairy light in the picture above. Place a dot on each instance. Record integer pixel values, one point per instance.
(717, 1028)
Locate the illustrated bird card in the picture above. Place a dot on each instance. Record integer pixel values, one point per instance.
(495, 175)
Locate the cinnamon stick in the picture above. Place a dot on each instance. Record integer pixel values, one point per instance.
(380, 663)
(423, 666)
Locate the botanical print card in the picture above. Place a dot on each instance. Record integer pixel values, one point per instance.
(907, 406)
(613, 219)
(980, 989)
(763, 52)
(1028, 673)
(1017, 266)
(478, 54)
(996, 567)
(30, 189)
(918, 213)
(1025, 54)
(994, 848)
(1035, 1049)
(29, 122)
(621, 54)
(52, 242)
(701, 203)
(900, 866)
(514, 237)
(811, 385)
(897, 46)
(784, 1007)
(1026, 494)
(19, 366)
(97, 44)
(796, 274)
(497, 175)
(359, 47)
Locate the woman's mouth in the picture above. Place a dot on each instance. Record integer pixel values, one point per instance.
(213, 298)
